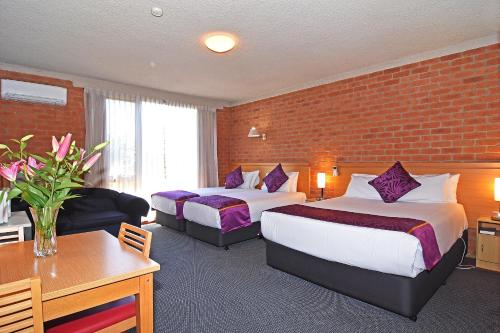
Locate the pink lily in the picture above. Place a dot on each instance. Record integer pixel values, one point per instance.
(32, 164)
(63, 148)
(55, 144)
(82, 154)
(10, 172)
(91, 162)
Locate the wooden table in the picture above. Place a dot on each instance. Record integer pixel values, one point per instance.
(88, 270)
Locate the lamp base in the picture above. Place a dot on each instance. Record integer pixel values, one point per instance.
(495, 216)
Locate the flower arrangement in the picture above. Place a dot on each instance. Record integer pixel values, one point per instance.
(46, 182)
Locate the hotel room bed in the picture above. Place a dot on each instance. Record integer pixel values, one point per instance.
(381, 267)
(166, 208)
(204, 223)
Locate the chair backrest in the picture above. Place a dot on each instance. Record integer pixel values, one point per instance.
(21, 306)
(136, 238)
(11, 235)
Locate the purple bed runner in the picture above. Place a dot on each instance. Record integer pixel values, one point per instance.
(180, 197)
(422, 230)
(234, 213)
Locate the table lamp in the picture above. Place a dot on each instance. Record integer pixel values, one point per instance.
(321, 183)
(496, 215)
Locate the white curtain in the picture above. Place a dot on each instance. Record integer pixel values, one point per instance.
(95, 133)
(207, 147)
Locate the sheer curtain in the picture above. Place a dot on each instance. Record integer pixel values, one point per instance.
(207, 147)
(95, 133)
(155, 145)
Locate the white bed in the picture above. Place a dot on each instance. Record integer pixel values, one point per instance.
(379, 250)
(167, 206)
(257, 201)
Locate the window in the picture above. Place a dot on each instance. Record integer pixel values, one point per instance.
(153, 147)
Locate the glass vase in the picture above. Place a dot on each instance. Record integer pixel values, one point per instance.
(45, 242)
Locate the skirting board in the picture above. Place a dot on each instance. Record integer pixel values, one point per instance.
(399, 294)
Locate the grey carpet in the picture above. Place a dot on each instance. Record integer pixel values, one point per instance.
(202, 288)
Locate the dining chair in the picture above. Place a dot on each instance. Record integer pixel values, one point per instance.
(11, 234)
(136, 238)
(117, 318)
(21, 306)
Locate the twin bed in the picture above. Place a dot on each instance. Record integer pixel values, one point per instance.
(203, 222)
(385, 268)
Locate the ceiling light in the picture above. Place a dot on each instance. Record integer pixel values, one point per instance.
(220, 43)
(157, 11)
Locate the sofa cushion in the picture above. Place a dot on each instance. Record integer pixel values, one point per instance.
(85, 220)
(90, 204)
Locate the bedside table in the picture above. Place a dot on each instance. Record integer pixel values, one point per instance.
(488, 245)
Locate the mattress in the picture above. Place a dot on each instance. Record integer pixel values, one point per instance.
(167, 206)
(257, 200)
(374, 249)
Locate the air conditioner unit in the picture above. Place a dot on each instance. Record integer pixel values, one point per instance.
(33, 92)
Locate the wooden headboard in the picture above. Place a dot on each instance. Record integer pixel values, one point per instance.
(475, 187)
(303, 184)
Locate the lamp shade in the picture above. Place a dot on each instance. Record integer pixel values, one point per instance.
(321, 180)
(253, 133)
(497, 189)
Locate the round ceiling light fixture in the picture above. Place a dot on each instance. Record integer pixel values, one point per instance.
(220, 42)
(157, 12)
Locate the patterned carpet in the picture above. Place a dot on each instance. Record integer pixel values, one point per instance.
(201, 288)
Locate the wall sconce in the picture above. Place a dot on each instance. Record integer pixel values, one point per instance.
(496, 196)
(321, 183)
(253, 133)
(335, 171)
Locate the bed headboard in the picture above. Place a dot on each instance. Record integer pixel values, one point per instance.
(475, 187)
(303, 184)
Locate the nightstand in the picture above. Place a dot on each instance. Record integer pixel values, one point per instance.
(488, 244)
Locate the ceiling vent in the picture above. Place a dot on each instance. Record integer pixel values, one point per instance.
(33, 92)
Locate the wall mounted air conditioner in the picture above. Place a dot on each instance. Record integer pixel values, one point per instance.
(33, 92)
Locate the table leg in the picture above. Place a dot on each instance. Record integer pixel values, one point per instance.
(144, 304)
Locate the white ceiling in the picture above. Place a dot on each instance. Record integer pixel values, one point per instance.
(283, 43)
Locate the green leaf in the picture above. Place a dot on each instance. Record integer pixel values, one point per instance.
(27, 137)
(14, 192)
(68, 184)
(42, 189)
(2, 146)
(32, 202)
(39, 158)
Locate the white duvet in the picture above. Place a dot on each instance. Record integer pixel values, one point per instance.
(257, 201)
(380, 250)
(167, 206)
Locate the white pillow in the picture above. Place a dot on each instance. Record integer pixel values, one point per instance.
(433, 188)
(452, 188)
(289, 186)
(250, 179)
(359, 187)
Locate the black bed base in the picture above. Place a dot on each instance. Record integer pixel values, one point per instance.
(403, 295)
(216, 237)
(170, 221)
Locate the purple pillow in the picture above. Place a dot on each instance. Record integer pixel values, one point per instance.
(394, 183)
(275, 179)
(234, 178)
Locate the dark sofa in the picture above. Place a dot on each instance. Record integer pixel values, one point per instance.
(99, 209)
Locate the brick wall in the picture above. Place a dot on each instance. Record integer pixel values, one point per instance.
(445, 109)
(19, 118)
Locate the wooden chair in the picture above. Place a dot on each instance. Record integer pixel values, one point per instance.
(21, 306)
(135, 237)
(117, 318)
(12, 234)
